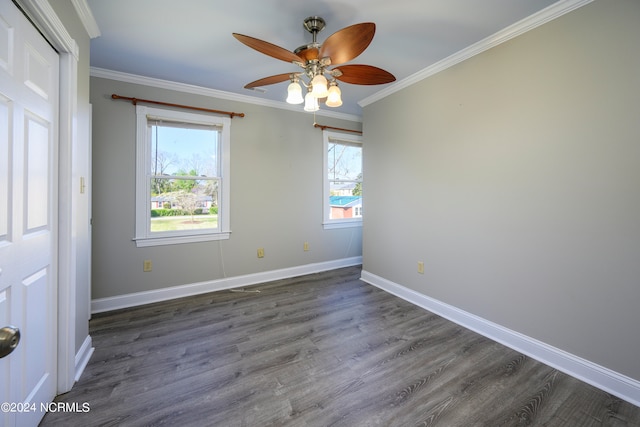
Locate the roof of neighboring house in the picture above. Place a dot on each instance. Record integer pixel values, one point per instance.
(343, 185)
(345, 201)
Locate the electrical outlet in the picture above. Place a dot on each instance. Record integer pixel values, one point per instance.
(306, 246)
(260, 252)
(420, 267)
(147, 265)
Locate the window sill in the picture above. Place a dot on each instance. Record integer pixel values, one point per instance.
(341, 224)
(143, 242)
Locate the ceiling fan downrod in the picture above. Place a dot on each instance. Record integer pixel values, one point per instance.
(314, 24)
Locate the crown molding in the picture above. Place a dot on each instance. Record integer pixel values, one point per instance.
(213, 93)
(547, 14)
(86, 17)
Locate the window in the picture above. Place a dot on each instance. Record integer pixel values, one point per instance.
(343, 180)
(182, 177)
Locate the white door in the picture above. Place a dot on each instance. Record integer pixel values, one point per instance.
(28, 216)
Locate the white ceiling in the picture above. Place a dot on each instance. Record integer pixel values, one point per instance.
(190, 41)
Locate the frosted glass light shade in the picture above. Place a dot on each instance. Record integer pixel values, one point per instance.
(319, 86)
(334, 98)
(310, 102)
(294, 94)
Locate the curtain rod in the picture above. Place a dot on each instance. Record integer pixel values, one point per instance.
(323, 127)
(135, 101)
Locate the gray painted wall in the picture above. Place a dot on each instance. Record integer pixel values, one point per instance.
(515, 177)
(276, 196)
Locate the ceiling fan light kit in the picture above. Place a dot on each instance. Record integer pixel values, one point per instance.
(315, 58)
(334, 96)
(311, 102)
(294, 93)
(319, 87)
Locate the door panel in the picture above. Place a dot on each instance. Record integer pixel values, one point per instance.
(34, 297)
(37, 159)
(28, 215)
(37, 71)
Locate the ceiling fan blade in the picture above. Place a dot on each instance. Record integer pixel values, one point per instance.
(268, 48)
(363, 75)
(344, 45)
(269, 80)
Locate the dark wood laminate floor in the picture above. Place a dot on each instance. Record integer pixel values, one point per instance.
(319, 350)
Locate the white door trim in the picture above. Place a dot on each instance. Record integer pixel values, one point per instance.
(44, 17)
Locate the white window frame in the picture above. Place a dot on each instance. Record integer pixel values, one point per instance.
(327, 222)
(143, 236)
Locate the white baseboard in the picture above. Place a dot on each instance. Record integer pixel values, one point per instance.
(83, 356)
(139, 298)
(598, 376)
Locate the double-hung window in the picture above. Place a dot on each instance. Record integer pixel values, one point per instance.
(182, 177)
(342, 180)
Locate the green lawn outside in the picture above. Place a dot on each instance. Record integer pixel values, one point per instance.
(174, 223)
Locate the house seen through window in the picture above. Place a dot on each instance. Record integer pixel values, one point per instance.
(182, 187)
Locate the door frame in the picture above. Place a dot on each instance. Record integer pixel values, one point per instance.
(45, 19)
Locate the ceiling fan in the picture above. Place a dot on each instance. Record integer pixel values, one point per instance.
(315, 59)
